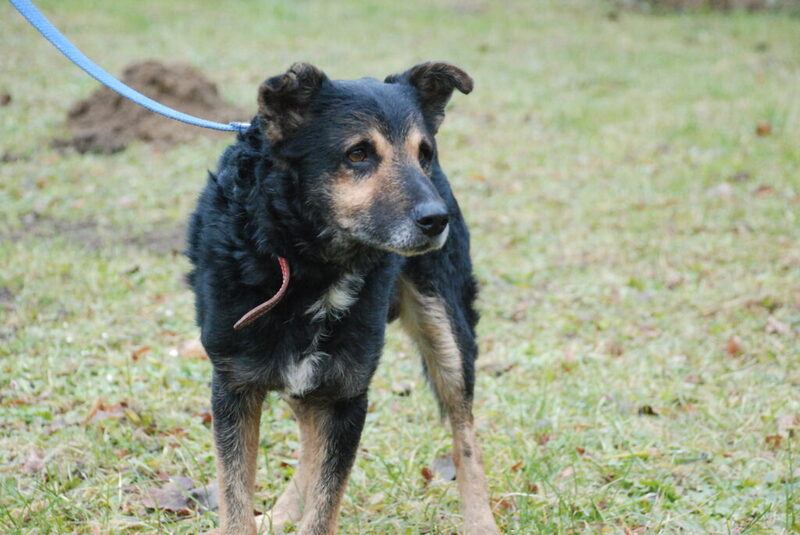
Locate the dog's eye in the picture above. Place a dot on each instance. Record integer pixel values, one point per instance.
(425, 154)
(357, 155)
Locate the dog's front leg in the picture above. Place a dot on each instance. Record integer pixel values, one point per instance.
(331, 431)
(237, 414)
(449, 363)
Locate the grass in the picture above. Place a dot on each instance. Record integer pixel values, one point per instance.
(637, 243)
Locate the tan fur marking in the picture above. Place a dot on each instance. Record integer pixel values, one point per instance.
(237, 518)
(353, 196)
(471, 480)
(320, 512)
(426, 320)
(382, 146)
(291, 505)
(413, 141)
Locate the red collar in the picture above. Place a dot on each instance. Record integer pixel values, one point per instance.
(270, 303)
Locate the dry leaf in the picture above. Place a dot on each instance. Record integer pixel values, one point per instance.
(99, 411)
(764, 128)
(427, 474)
(192, 349)
(506, 504)
(174, 497)
(402, 388)
(566, 472)
(763, 190)
(773, 441)
(136, 353)
(495, 368)
(613, 348)
(517, 466)
(734, 346)
(775, 326)
(444, 467)
(205, 416)
(646, 410)
(207, 496)
(33, 463)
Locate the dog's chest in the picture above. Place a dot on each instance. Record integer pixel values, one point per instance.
(313, 364)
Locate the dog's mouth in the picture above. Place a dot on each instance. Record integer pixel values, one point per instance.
(406, 240)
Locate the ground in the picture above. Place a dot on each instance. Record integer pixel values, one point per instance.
(631, 181)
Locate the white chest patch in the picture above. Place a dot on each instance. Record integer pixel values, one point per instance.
(300, 377)
(337, 298)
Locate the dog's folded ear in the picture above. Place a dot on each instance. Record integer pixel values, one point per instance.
(283, 100)
(435, 82)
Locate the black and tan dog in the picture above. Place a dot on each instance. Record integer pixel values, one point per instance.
(341, 181)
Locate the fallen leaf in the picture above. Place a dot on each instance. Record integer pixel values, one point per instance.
(427, 474)
(192, 349)
(33, 463)
(506, 504)
(170, 498)
(775, 326)
(100, 411)
(444, 467)
(136, 353)
(402, 388)
(763, 190)
(614, 348)
(495, 368)
(205, 416)
(646, 410)
(773, 441)
(174, 497)
(207, 496)
(517, 466)
(566, 472)
(764, 128)
(734, 346)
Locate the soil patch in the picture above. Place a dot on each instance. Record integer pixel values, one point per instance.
(160, 238)
(106, 122)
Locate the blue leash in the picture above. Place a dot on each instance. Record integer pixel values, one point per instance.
(38, 21)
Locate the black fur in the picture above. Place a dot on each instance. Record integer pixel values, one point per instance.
(266, 201)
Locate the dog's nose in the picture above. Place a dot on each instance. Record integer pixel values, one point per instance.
(431, 218)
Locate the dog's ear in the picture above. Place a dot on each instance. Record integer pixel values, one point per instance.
(283, 100)
(435, 82)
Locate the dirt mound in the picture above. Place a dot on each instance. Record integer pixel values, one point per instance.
(105, 122)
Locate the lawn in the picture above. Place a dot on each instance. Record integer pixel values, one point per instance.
(632, 182)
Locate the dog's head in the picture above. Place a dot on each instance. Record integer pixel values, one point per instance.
(364, 150)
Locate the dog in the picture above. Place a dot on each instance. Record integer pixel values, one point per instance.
(332, 211)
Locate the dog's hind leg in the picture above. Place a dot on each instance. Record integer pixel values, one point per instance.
(237, 414)
(441, 322)
(330, 432)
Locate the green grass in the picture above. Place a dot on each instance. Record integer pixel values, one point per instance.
(627, 223)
